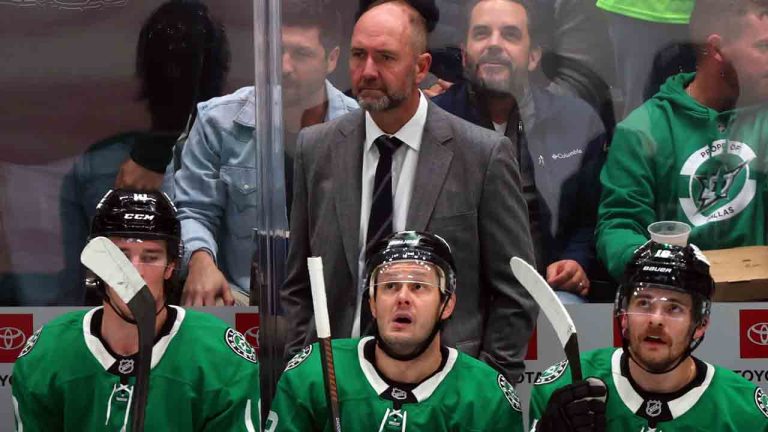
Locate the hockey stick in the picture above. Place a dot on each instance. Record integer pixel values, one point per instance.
(553, 309)
(109, 263)
(323, 325)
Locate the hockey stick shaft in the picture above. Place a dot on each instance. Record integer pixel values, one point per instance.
(109, 263)
(329, 376)
(142, 307)
(322, 323)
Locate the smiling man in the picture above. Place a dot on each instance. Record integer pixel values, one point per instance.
(403, 378)
(558, 140)
(653, 382)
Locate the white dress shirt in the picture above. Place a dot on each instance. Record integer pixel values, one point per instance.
(404, 162)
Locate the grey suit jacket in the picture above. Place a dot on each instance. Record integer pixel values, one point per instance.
(466, 190)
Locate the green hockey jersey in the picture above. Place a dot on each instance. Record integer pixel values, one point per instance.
(463, 395)
(675, 159)
(204, 377)
(718, 400)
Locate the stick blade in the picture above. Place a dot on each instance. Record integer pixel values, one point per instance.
(546, 298)
(108, 262)
(553, 309)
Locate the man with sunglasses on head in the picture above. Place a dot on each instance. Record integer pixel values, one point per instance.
(652, 382)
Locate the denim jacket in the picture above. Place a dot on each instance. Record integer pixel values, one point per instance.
(217, 183)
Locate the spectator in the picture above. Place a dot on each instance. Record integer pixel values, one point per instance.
(431, 172)
(558, 140)
(217, 186)
(182, 58)
(639, 31)
(695, 152)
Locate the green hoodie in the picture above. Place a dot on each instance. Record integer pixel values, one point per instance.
(659, 11)
(675, 159)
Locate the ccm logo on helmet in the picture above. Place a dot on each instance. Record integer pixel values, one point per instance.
(138, 216)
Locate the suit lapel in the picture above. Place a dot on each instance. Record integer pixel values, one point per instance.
(434, 162)
(347, 153)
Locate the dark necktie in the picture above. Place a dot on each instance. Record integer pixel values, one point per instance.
(380, 219)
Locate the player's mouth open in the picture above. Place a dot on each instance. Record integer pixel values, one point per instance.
(656, 340)
(402, 319)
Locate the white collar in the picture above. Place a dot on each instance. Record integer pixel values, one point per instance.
(634, 401)
(410, 133)
(422, 391)
(103, 356)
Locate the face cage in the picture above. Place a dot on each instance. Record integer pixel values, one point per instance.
(442, 280)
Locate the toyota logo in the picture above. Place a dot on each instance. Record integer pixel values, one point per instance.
(252, 334)
(11, 338)
(757, 334)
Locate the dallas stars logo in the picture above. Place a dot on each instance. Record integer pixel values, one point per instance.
(240, 346)
(762, 401)
(298, 358)
(717, 186)
(718, 182)
(509, 393)
(31, 343)
(552, 373)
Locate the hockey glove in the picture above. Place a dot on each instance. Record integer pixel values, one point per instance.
(578, 407)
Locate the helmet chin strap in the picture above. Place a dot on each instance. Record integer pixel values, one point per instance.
(123, 316)
(420, 348)
(692, 345)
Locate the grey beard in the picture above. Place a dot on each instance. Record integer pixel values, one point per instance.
(383, 103)
(379, 104)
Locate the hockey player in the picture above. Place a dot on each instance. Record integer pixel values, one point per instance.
(653, 382)
(77, 372)
(401, 379)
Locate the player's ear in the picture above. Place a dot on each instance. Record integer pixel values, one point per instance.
(701, 329)
(169, 270)
(623, 329)
(372, 304)
(449, 307)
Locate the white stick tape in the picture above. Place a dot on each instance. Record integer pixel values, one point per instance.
(317, 284)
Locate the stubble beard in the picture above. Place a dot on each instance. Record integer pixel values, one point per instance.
(511, 86)
(383, 103)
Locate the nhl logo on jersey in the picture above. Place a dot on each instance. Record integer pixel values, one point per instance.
(31, 343)
(299, 358)
(653, 408)
(762, 401)
(552, 373)
(125, 367)
(509, 393)
(399, 394)
(240, 346)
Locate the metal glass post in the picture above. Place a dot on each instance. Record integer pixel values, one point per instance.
(271, 233)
